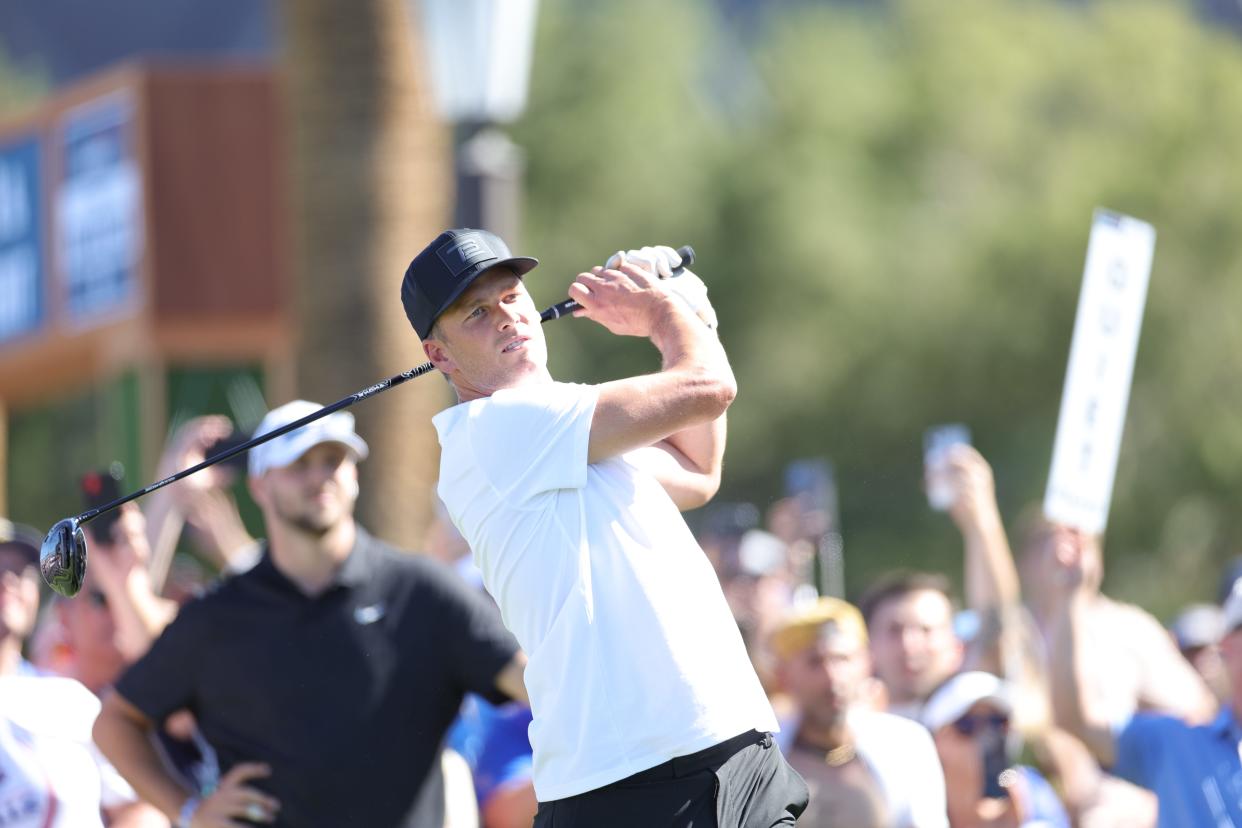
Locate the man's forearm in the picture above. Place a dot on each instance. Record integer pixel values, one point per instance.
(703, 446)
(686, 343)
(139, 614)
(128, 746)
(1070, 706)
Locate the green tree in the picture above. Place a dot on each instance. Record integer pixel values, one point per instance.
(891, 206)
(20, 87)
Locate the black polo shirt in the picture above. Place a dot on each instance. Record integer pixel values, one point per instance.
(346, 695)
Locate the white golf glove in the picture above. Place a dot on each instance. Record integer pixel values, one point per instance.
(662, 261)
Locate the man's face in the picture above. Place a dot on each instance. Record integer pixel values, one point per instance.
(490, 338)
(825, 678)
(961, 746)
(314, 493)
(913, 646)
(19, 594)
(90, 634)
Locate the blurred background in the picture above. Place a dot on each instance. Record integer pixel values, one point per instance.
(207, 208)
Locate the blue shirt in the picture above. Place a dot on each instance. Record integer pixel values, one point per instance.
(493, 741)
(1195, 772)
(1043, 806)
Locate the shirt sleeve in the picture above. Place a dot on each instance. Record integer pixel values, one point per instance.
(533, 439)
(163, 680)
(1139, 747)
(474, 640)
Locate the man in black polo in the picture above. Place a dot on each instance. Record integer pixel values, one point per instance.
(326, 676)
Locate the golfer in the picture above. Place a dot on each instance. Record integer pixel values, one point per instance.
(646, 708)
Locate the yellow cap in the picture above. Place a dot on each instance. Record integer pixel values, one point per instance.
(803, 627)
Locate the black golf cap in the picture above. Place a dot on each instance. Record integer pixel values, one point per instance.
(446, 267)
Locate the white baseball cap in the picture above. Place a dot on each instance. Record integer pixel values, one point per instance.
(337, 427)
(957, 695)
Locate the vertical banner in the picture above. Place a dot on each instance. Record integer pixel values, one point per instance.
(1101, 364)
(98, 206)
(21, 239)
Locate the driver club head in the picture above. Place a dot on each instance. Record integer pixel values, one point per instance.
(62, 559)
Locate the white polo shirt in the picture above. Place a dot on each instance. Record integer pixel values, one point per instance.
(634, 655)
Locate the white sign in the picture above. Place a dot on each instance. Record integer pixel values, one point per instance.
(1101, 364)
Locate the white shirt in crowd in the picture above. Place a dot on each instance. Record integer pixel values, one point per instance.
(51, 774)
(634, 655)
(902, 758)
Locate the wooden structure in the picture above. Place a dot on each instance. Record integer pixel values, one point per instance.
(142, 227)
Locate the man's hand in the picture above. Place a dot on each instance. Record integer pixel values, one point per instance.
(234, 799)
(626, 300)
(974, 503)
(188, 447)
(1070, 560)
(662, 260)
(116, 556)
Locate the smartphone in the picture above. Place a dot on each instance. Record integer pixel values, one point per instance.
(995, 762)
(937, 441)
(812, 483)
(100, 487)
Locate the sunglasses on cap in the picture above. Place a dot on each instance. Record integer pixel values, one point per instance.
(971, 724)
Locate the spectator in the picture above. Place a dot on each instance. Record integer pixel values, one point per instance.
(760, 594)
(201, 503)
(969, 717)
(864, 768)
(1194, 769)
(1009, 642)
(1133, 662)
(909, 617)
(493, 741)
(1197, 631)
(326, 676)
(51, 775)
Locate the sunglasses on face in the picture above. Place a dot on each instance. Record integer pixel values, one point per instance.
(972, 724)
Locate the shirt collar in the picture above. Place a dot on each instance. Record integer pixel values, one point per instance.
(1226, 725)
(360, 565)
(357, 569)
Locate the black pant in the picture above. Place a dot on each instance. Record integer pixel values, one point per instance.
(740, 783)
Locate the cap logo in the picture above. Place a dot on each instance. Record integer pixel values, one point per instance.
(460, 254)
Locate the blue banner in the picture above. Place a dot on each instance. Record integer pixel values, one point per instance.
(99, 210)
(21, 239)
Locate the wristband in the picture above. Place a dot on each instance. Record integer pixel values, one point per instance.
(187, 812)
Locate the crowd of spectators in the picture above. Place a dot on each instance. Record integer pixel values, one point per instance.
(1033, 699)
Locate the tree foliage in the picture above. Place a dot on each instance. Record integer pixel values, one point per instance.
(891, 205)
(20, 87)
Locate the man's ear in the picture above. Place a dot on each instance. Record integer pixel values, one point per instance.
(439, 356)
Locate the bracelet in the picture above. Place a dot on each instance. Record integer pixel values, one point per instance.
(187, 812)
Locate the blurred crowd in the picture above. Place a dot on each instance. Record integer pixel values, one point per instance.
(1030, 699)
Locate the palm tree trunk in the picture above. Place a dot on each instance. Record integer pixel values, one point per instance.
(371, 179)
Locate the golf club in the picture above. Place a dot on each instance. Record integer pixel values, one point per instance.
(62, 558)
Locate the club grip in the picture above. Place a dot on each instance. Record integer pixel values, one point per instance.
(568, 306)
